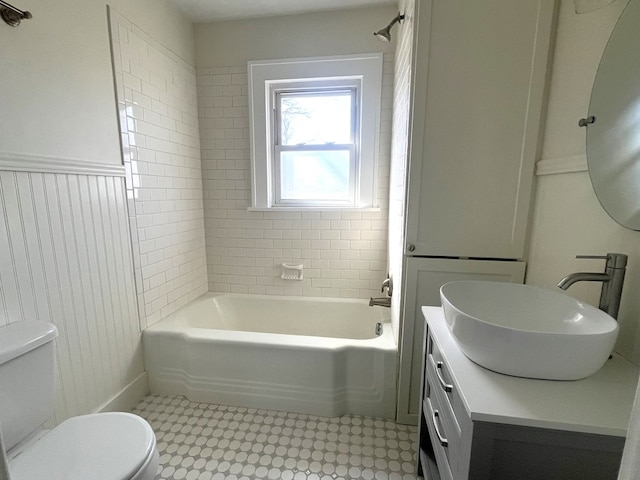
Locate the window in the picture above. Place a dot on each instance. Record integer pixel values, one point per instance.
(314, 150)
(314, 130)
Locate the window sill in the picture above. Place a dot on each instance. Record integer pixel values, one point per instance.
(314, 209)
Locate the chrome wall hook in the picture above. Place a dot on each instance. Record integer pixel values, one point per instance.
(587, 121)
(11, 15)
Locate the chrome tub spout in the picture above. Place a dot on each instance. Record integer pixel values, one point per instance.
(380, 301)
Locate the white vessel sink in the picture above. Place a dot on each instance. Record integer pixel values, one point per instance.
(527, 331)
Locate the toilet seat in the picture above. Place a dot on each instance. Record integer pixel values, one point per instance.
(103, 446)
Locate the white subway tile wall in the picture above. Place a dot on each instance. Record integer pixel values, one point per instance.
(157, 102)
(399, 154)
(344, 254)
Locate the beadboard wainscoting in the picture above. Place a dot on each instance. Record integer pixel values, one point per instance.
(157, 104)
(65, 258)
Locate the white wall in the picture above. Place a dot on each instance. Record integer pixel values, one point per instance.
(57, 84)
(235, 42)
(344, 253)
(567, 218)
(65, 249)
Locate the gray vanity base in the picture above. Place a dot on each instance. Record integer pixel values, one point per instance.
(479, 425)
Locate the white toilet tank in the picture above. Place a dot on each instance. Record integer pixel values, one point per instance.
(27, 378)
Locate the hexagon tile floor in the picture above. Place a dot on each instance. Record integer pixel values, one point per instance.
(199, 441)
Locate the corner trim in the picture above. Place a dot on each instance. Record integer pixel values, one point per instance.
(19, 162)
(555, 166)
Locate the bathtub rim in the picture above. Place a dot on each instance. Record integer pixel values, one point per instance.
(174, 324)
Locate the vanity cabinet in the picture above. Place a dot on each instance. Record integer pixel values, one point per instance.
(480, 425)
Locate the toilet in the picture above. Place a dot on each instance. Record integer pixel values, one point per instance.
(101, 446)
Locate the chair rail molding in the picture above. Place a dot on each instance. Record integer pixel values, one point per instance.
(558, 165)
(19, 162)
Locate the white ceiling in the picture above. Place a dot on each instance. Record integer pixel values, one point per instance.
(202, 11)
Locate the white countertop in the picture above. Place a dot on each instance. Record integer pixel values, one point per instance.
(600, 404)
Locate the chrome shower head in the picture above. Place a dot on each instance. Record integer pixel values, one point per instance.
(384, 34)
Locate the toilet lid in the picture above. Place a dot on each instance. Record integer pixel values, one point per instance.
(104, 446)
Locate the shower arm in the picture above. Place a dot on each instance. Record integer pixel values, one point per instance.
(12, 15)
(399, 18)
(23, 14)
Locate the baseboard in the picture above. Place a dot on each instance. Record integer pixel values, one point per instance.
(128, 397)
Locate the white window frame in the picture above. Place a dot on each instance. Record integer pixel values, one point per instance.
(353, 85)
(266, 78)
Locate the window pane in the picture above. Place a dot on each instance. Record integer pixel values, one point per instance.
(319, 175)
(315, 118)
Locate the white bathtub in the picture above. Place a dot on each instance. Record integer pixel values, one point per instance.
(317, 356)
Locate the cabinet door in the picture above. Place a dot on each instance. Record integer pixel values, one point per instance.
(479, 77)
(423, 279)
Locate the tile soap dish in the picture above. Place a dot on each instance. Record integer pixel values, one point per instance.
(291, 272)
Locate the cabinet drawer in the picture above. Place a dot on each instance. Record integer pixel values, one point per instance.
(448, 423)
(434, 425)
(446, 397)
(436, 364)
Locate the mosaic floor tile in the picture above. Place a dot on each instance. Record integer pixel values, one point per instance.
(198, 441)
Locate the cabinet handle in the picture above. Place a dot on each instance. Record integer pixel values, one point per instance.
(447, 387)
(443, 441)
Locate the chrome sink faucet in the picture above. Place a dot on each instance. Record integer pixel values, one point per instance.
(612, 280)
(385, 301)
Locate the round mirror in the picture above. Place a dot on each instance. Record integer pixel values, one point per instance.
(613, 139)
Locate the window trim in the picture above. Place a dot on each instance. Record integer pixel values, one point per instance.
(267, 76)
